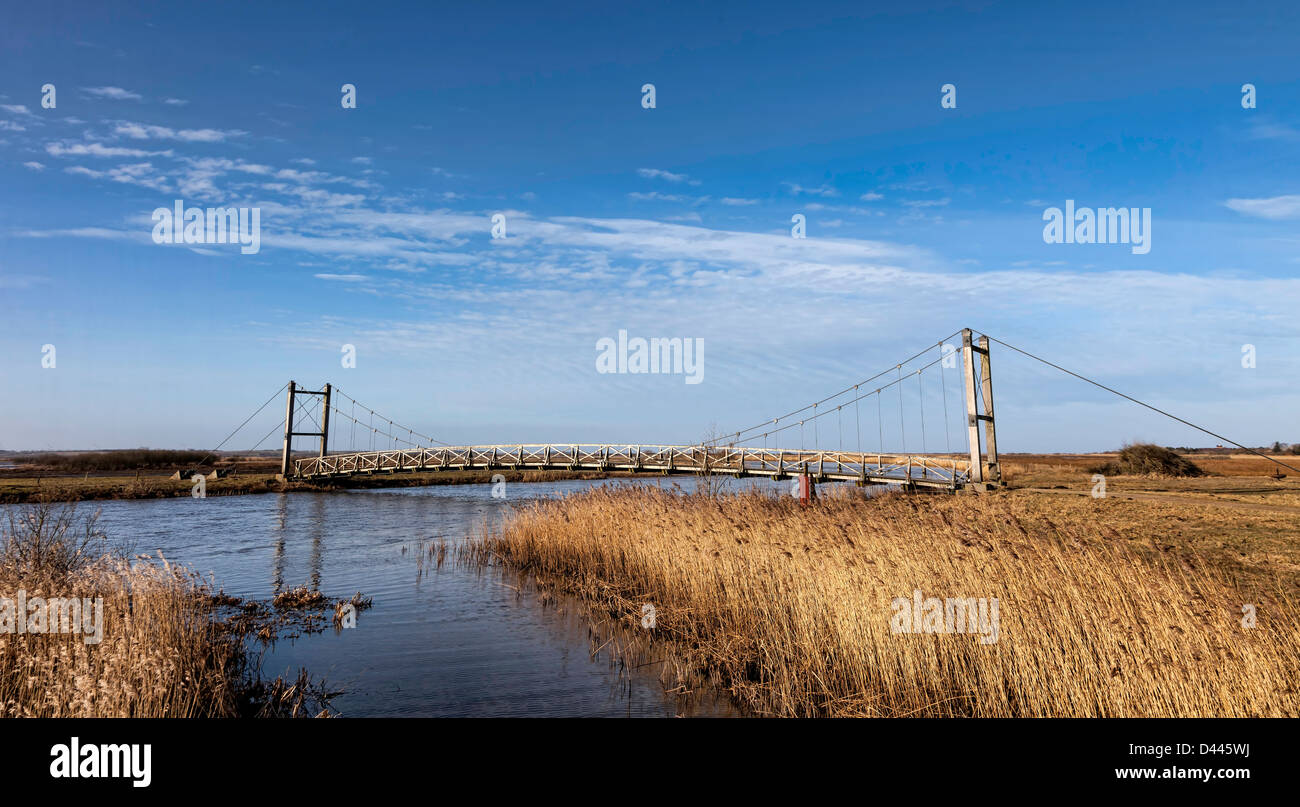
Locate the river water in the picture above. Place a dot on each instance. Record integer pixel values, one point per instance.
(437, 642)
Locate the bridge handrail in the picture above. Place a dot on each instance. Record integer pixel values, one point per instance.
(684, 458)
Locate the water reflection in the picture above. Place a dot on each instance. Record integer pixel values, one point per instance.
(439, 641)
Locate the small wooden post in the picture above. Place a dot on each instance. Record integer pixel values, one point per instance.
(972, 411)
(288, 433)
(990, 432)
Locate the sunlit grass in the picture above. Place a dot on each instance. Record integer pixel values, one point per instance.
(789, 609)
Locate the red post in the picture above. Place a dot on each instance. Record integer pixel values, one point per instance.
(807, 490)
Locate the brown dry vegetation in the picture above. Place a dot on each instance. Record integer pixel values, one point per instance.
(1232, 477)
(1104, 609)
(163, 652)
(15, 489)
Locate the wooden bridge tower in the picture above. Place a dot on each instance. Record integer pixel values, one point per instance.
(982, 377)
(289, 433)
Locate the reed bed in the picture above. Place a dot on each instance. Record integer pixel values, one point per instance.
(162, 650)
(790, 609)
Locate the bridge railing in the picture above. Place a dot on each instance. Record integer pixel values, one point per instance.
(920, 469)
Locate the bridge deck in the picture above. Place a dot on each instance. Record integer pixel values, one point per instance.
(911, 470)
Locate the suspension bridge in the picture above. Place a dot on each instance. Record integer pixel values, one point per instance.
(388, 447)
(332, 417)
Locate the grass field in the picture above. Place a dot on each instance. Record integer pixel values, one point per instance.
(1108, 606)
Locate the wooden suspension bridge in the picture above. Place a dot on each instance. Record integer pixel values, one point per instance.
(976, 470)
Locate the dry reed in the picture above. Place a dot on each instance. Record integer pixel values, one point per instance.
(162, 652)
(790, 609)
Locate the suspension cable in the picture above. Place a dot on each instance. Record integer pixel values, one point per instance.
(1143, 403)
(763, 424)
(275, 395)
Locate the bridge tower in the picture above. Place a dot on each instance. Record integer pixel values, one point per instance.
(982, 377)
(289, 433)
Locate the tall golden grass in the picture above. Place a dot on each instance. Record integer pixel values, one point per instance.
(164, 652)
(790, 608)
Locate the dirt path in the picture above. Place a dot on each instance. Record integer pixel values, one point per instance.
(1176, 498)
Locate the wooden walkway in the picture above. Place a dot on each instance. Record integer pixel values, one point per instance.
(907, 470)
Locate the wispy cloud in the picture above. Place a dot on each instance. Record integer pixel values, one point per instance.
(113, 93)
(66, 149)
(645, 196)
(340, 278)
(927, 202)
(142, 174)
(142, 131)
(821, 190)
(1273, 207)
(1267, 129)
(656, 173)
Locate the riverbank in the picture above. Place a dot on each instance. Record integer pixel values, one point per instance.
(856, 606)
(105, 635)
(16, 489)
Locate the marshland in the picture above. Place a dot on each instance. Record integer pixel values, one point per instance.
(1170, 596)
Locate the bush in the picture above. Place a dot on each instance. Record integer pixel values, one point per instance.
(1148, 459)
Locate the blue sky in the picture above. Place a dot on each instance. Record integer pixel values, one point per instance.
(665, 222)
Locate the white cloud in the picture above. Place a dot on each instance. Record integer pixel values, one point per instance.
(735, 202)
(10, 126)
(66, 149)
(17, 109)
(822, 190)
(142, 174)
(1274, 207)
(114, 93)
(342, 278)
(656, 196)
(871, 196)
(140, 131)
(1265, 129)
(35, 166)
(927, 202)
(656, 173)
(175, 101)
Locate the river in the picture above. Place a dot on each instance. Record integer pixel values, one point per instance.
(444, 642)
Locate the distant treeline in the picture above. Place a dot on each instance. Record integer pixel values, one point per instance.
(1276, 448)
(130, 459)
